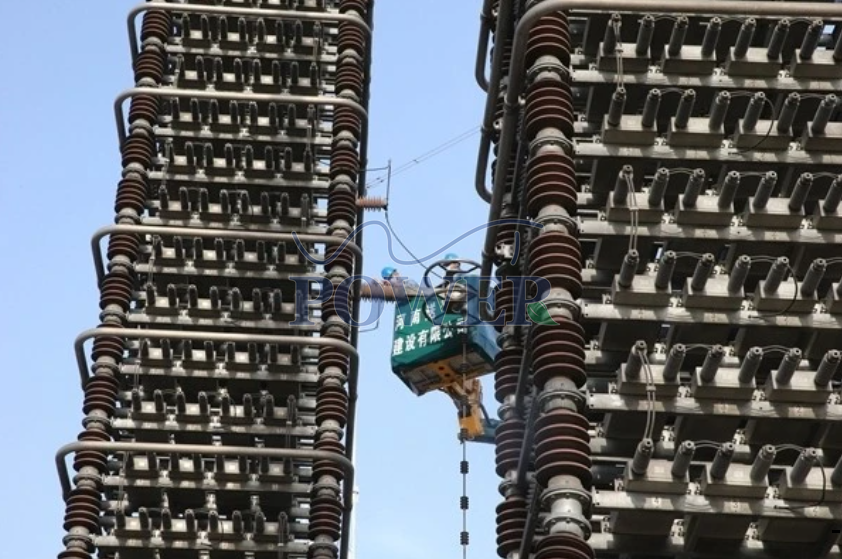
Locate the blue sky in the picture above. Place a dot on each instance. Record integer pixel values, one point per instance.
(60, 169)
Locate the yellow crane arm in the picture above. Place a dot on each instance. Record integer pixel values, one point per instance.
(468, 394)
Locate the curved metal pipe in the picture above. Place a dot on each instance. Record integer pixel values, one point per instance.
(328, 240)
(167, 448)
(482, 45)
(137, 333)
(504, 17)
(235, 11)
(231, 95)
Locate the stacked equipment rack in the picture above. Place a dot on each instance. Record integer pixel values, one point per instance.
(684, 163)
(214, 426)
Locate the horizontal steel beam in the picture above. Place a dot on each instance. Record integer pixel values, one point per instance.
(212, 450)
(230, 95)
(235, 11)
(328, 240)
(132, 333)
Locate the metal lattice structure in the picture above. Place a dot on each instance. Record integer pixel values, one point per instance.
(683, 160)
(217, 425)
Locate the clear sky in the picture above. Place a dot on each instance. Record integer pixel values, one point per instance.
(63, 64)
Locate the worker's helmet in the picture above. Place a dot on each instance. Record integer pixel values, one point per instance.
(387, 272)
(451, 256)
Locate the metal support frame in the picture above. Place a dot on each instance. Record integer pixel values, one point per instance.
(517, 71)
(353, 381)
(167, 448)
(235, 11)
(482, 45)
(231, 95)
(328, 240)
(136, 333)
(516, 83)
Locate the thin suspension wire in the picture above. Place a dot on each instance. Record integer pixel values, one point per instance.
(438, 150)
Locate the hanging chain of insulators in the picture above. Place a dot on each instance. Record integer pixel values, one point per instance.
(325, 527)
(82, 505)
(464, 466)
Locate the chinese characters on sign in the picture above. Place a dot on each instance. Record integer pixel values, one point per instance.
(419, 333)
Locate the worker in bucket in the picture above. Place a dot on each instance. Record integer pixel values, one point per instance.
(392, 277)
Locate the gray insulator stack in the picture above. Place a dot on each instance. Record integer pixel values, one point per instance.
(617, 106)
(823, 114)
(814, 276)
(644, 35)
(650, 108)
(685, 109)
(811, 39)
(722, 461)
(834, 195)
(694, 187)
(659, 187)
(788, 365)
(803, 464)
(682, 460)
(836, 476)
(609, 41)
(776, 43)
(827, 368)
(674, 361)
(837, 50)
(750, 365)
(679, 32)
(739, 274)
(666, 267)
(711, 37)
(625, 181)
(702, 272)
(744, 38)
(788, 112)
(719, 110)
(728, 190)
(762, 463)
(764, 190)
(753, 111)
(776, 275)
(800, 192)
(628, 269)
(711, 363)
(634, 364)
(642, 457)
